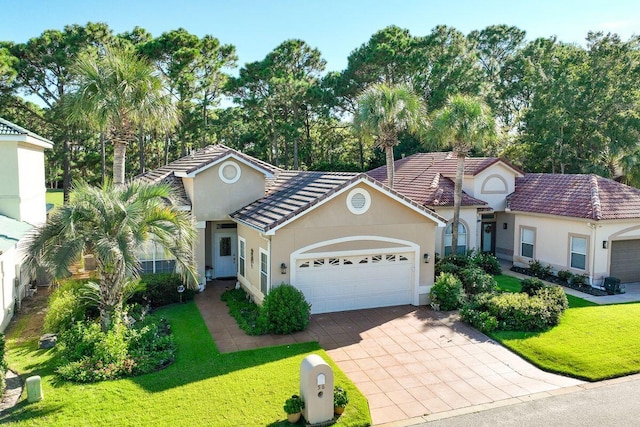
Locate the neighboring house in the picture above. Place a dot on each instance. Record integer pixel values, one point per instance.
(22, 206)
(346, 240)
(582, 223)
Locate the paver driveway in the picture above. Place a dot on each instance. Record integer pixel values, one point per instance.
(408, 361)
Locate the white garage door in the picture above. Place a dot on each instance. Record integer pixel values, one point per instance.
(350, 282)
(625, 260)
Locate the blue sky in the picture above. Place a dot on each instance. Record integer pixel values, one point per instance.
(335, 27)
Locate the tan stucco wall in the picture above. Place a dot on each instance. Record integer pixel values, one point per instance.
(214, 199)
(385, 218)
(251, 280)
(504, 237)
(494, 184)
(552, 240)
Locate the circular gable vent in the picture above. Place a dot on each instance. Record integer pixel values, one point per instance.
(229, 172)
(358, 201)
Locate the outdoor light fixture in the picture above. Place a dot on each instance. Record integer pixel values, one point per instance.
(180, 291)
(604, 244)
(283, 268)
(426, 257)
(504, 225)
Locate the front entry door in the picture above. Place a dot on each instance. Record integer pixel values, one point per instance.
(225, 251)
(489, 237)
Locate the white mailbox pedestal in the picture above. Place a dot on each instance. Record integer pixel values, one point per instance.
(316, 389)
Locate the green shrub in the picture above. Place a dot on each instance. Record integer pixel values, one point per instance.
(565, 275)
(285, 310)
(67, 305)
(481, 320)
(531, 286)
(245, 312)
(537, 269)
(475, 281)
(447, 293)
(89, 355)
(579, 280)
(488, 262)
(461, 260)
(446, 267)
(161, 289)
(3, 366)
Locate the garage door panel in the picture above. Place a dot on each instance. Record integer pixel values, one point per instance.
(355, 282)
(625, 260)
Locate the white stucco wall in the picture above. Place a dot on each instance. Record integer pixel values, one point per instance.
(469, 217)
(494, 184)
(10, 262)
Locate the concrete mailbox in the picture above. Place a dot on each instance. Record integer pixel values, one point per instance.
(34, 389)
(316, 389)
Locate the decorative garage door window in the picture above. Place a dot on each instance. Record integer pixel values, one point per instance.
(229, 172)
(329, 262)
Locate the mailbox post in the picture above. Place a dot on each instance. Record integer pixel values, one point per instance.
(316, 389)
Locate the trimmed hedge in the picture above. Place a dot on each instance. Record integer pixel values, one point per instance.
(476, 281)
(161, 289)
(285, 310)
(532, 286)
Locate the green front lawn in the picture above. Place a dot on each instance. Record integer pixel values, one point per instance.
(592, 342)
(55, 197)
(202, 387)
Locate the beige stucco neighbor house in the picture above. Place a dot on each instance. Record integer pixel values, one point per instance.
(582, 223)
(346, 240)
(22, 206)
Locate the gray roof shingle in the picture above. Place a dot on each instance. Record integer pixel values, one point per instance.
(8, 128)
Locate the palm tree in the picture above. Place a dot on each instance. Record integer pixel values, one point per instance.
(113, 222)
(119, 92)
(383, 112)
(464, 123)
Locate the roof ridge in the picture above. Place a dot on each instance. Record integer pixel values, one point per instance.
(596, 206)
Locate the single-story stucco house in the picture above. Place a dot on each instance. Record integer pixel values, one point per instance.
(348, 241)
(22, 206)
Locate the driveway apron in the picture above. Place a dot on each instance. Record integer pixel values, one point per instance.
(408, 361)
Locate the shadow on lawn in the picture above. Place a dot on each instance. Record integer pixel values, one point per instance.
(199, 359)
(29, 411)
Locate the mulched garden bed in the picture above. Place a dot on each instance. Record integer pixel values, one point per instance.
(588, 289)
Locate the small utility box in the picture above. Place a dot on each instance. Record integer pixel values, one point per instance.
(34, 389)
(316, 389)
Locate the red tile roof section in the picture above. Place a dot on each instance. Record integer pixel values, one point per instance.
(580, 196)
(426, 177)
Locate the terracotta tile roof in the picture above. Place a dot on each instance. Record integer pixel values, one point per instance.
(294, 192)
(195, 161)
(426, 178)
(580, 196)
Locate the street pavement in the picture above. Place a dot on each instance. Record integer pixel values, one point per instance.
(609, 403)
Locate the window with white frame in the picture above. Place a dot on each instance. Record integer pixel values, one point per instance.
(242, 256)
(264, 272)
(578, 253)
(527, 242)
(155, 259)
(462, 239)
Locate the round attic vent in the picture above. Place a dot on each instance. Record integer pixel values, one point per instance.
(229, 172)
(358, 201)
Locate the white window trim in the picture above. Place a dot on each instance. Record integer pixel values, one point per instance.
(266, 273)
(242, 256)
(466, 236)
(235, 166)
(586, 251)
(367, 201)
(533, 251)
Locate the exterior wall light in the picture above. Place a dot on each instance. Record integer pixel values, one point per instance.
(427, 258)
(604, 244)
(283, 268)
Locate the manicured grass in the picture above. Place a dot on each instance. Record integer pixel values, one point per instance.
(202, 387)
(592, 342)
(55, 197)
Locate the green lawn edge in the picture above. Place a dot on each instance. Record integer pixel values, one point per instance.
(592, 342)
(202, 387)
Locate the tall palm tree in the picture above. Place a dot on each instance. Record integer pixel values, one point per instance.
(383, 112)
(113, 222)
(464, 123)
(118, 91)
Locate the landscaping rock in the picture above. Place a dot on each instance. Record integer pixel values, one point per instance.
(48, 341)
